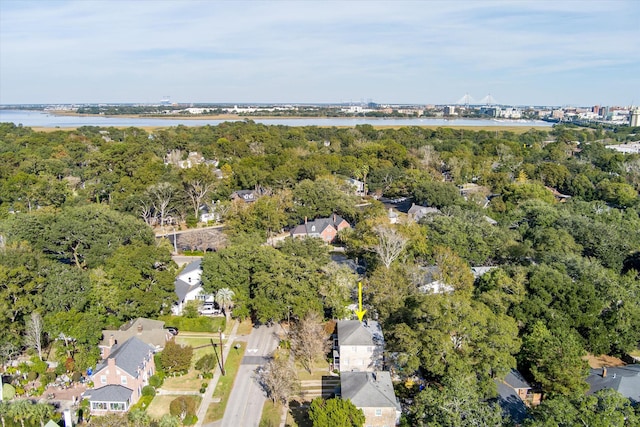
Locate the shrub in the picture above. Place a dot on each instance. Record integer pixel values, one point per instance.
(176, 358)
(190, 420)
(60, 369)
(206, 363)
(148, 391)
(156, 380)
(182, 407)
(32, 376)
(203, 390)
(76, 376)
(8, 392)
(38, 366)
(48, 377)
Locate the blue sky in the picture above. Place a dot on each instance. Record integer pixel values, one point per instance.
(578, 52)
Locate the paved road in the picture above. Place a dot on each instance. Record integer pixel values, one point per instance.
(247, 397)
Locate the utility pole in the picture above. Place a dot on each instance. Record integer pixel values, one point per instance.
(221, 353)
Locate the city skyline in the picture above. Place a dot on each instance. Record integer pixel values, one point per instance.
(522, 53)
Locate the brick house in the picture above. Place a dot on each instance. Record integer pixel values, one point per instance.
(324, 228)
(120, 377)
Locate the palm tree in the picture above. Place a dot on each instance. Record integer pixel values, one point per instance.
(21, 411)
(224, 298)
(41, 412)
(4, 411)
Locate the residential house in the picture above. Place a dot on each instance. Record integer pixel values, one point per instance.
(358, 346)
(373, 393)
(149, 331)
(120, 377)
(427, 278)
(393, 216)
(246, 196)
(515, 395)
(623, 379)
(188, 287)
(358, 186)
(324, 228)
(417, 212)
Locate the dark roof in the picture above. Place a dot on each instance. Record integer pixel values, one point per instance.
(354, 332)
(129, 356)
(369, 389)
(516, 380)
(182, 288)
(623, 379)
(192, 266)
(511, 403)
(318, 225)
(109, 393)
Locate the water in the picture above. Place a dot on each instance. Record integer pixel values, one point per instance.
(44, 119)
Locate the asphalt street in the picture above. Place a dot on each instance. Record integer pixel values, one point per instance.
(244, 407)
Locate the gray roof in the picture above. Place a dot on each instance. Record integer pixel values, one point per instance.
(192, 266)
(354, 332)
(623, 379)
(511, 403)
(516, 380)
(369, 389)
(318, 225)
(110, 393)
(417, 211)
(149, 331)
(182, 288)
(129, 356)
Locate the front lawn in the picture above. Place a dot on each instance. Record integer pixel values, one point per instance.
(271, 414)
(215, 411)
(160, 405)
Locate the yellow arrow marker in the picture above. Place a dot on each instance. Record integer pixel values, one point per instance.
(360, 312)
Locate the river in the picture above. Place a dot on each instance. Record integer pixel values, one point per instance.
(43, 119)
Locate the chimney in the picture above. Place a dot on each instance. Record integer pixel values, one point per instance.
(604, 372)
(112, 340)
(139, 328)
(305, 219)
(334, 218)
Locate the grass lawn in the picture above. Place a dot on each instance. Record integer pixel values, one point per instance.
(187, 382)
(160, 405)
(215, 411)
(245, 327)
(271, 414)
(319, 368)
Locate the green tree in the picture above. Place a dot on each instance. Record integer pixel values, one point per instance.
(176, 357)
(605, 408)
(224, 298)
(554, 358)
(335, 412)
(456, 403)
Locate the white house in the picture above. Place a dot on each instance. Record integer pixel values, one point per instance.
(358, 346)
(188, 287)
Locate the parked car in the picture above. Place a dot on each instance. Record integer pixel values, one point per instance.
(172, 330)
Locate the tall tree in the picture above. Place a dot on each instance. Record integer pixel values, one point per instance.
(35, 333)
(309, 340)
(390, 244)
(335, 412)
(224, 298)
(279, 378)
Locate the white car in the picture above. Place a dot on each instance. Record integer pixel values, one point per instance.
(208, 309)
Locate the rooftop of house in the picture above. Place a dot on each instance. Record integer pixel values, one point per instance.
(369, 389)
(318, 225)
(511, 403)
(109, 393)
(623, 379)
(182, 288)
(516, 380)
(129, 356)
(148, 331)
(192, 266)
(354, 332)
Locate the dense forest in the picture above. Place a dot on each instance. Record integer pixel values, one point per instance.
(556, 214)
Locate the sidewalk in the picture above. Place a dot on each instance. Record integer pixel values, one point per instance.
(208, 395)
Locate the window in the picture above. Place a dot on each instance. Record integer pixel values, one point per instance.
(117, 406)
(103, 379)
(99, 406)
(123, 380)
(370, 349)
(378, 412)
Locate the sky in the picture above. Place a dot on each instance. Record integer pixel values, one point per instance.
(545, 52)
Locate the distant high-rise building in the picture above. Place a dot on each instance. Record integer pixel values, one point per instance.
(595, 109)
(634, 117)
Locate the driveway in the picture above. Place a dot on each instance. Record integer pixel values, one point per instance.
(244, 407)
